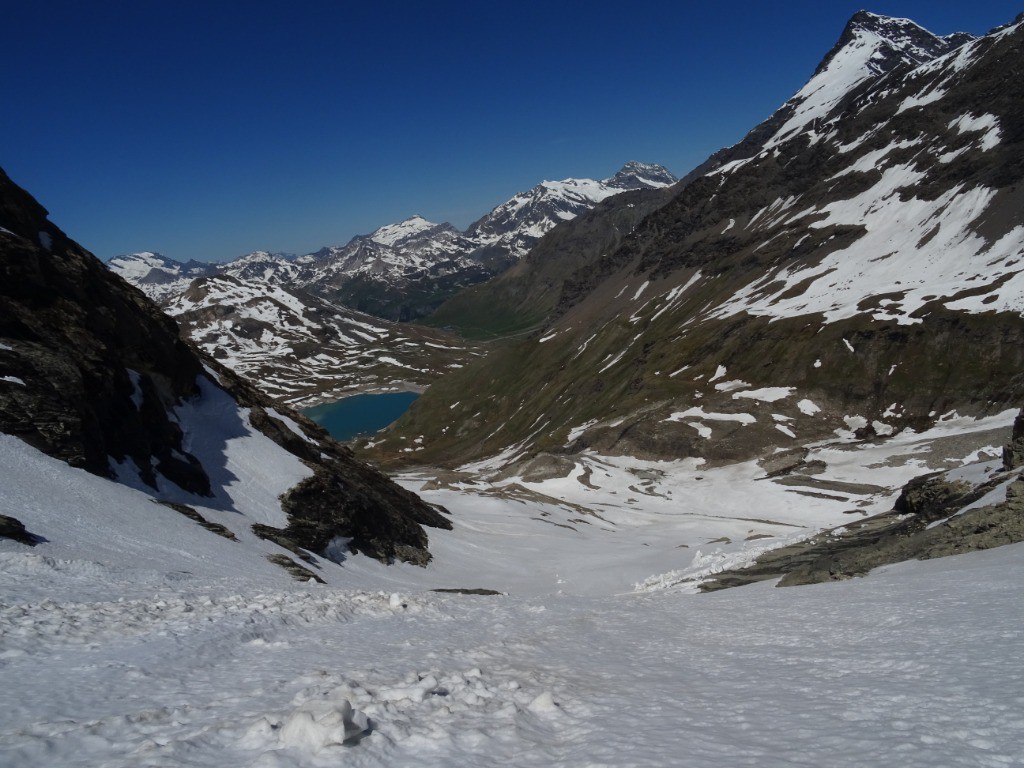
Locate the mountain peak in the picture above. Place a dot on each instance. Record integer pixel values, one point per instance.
(636, 175)
(870, 45)
(888, 41)
(392, 234)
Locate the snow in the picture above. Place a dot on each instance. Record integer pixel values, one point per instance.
(988, 124)
(137, 396)
(914, 248)
(728, 386)
(13, 380)
(133, 637)
(851, 66)
(765, 394)
(699, 412)
(393, 234)
(253, 470)
(807, 407)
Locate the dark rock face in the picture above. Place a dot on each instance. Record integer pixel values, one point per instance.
(91, 370)
(12, 528)
(1013, 453)
(100, 363)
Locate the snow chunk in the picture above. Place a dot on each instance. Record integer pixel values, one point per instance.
(729, 386)
(765, 394)
(698, 412)
(808, 408)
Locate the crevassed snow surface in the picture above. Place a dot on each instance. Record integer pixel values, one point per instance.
(131, 637)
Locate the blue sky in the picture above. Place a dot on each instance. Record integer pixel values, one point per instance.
(208, 130)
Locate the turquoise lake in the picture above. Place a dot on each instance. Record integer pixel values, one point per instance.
(361, 414)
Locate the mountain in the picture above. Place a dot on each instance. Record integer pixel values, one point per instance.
(308, 329)
(850, 267)
(395, 271)
(158, 276)
(404, 271)
(96, 376)
(521, 298)
(302, 349)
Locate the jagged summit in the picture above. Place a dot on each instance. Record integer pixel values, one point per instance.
(869, 46)
(636, 175)
(892, 41)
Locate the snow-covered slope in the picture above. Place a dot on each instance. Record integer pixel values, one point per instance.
(516, 225)
(166, 647)
(871, 46)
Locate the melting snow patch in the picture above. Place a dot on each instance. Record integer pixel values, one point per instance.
(12, 380)
(702, 430)
(641, 289)
(698, 412)
(729, 386)
(987, 123)
(718, 373)
(136, 388)
(576, 432)
(765, 394)
(808, 408)
(785, 430)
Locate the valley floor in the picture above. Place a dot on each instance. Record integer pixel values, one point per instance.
(599, 653)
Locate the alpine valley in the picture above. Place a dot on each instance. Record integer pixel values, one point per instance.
(797, 364)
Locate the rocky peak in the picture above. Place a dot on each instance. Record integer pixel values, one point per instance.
(635, 175)
(892, 41)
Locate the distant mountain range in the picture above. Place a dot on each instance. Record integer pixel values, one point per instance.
(403, 271)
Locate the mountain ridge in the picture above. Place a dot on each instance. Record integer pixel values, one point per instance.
(403, 271)
(714, 329)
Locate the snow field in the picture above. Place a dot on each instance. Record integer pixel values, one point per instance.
(132, 637)
(913, 665)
